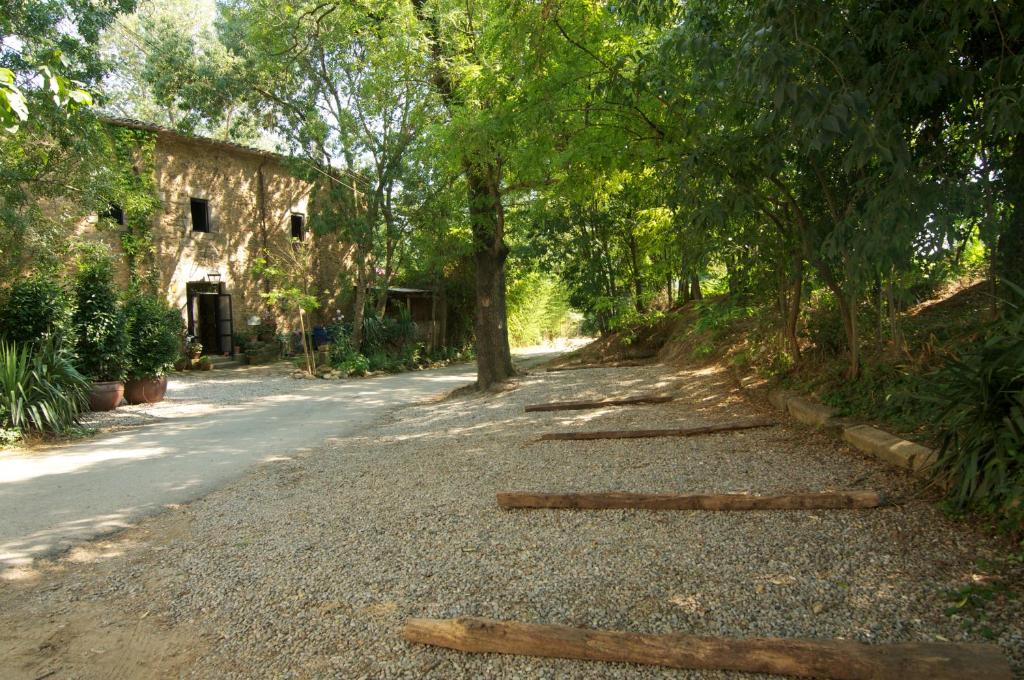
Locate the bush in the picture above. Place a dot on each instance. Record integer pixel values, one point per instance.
(382, 361)
(980, 396)
(345, 359)
(155, 331)
(40, 389)
(36, 308)
(101, 341)
(825, 328)
(355, 364)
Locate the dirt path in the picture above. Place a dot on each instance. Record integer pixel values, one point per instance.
(307, 566)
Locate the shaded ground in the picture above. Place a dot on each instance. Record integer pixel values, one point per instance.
(208, 434)
(308, 566)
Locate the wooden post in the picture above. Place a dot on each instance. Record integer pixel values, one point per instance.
(582, 405)
(647, 434)
(839, 659)
(616, 500)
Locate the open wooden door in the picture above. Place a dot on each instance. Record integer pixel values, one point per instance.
(225, 324)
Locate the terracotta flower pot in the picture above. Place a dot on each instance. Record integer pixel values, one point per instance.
(145, 390)
(105, 396)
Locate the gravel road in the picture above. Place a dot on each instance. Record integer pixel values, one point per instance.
(308, 566)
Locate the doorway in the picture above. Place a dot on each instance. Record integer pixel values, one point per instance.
(210, 317)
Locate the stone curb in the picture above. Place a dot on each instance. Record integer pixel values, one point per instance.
(879, 443)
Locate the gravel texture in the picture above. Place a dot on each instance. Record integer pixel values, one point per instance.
(309, 566)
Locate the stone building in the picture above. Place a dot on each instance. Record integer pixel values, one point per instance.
(222, 205)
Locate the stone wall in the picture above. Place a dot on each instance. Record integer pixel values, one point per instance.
(252, 197)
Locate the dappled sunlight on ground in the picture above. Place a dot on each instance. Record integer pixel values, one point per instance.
(309, 565)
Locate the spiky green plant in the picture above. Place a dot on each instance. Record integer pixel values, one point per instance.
(40, 389)
(981, 422)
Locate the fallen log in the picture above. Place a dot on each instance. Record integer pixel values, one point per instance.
(582, 405)
(647, 434)
(839, 659)
(617, 500)
(608, 364)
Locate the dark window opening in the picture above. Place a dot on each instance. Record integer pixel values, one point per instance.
(115, 213)
(298, 226)
(200, 214)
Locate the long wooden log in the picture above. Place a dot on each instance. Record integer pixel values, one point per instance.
(601, 403)
(608, 364)
(647, 434)
(616, 500)
(838, 659)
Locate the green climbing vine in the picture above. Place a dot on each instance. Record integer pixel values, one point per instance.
(136, 194)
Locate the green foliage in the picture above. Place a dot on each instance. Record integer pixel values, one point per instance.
(155, 332)
(40, 389)
(979, 398)
(134, 190)
(36, 307)
(882, 392)
(971, 604)
(101, 340)
(388, 336)
(718, 316)
(538, 309)
(53, 169)
(825, 327)
(343, 357)
(354, 364)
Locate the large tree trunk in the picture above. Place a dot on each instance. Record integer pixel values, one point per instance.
(793, 310)
(1010, 249)
(695, 292)
(848, 312)
(390, 244)
(360, 303)
(487, 218)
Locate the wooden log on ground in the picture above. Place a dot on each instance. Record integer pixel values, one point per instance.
(617, 500)
(609, 364)
(647, 434)
(583, 405)
(838, 659)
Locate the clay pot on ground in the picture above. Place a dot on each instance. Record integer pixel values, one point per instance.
(146, 390)
(105, 395)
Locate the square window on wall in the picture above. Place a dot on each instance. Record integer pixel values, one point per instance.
(298, 226)
(200, 208)
(114, 212)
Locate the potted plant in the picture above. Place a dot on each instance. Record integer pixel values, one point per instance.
(154, 333)
(205, 363)
(194, 349)
(98, 323)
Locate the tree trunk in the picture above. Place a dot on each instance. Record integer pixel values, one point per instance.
(668, 288)
(793, 308)
(876, 293)
(360, 302)
(389, 253)
(487, 218)
(695, 287)
(895, 324)
(1010, 248)
(634, 261)
(848, 312)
